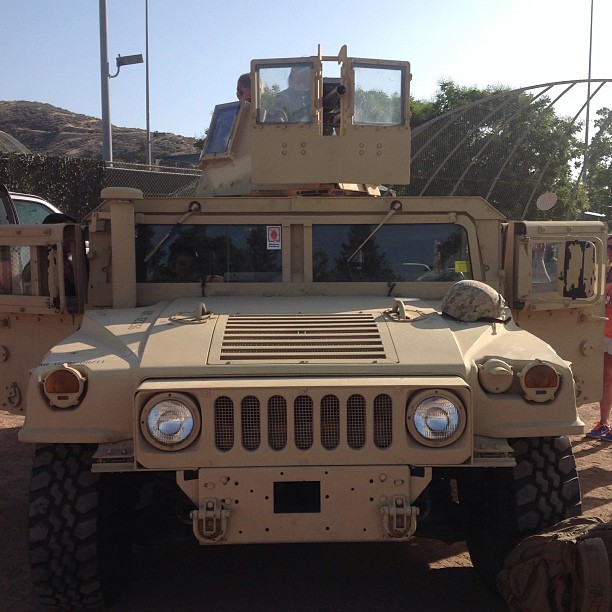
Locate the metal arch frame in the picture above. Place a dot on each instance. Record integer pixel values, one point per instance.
(443, 122)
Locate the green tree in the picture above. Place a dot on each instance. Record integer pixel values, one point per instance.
(599, 162)
(268, 96)
(376, 106)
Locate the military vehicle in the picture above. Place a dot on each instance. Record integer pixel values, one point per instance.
(296, 354)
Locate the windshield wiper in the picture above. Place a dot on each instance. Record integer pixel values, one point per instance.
(394, 207)
(193, 207)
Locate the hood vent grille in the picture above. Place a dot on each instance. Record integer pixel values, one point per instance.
(301, 338)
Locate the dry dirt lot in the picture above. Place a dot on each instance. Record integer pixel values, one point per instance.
(420, 575)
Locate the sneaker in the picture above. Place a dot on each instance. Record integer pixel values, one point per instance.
(599, 431)
(607, 437)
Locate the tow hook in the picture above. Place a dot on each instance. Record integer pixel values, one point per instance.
(210, 521)
(399, 518)
(12, 395)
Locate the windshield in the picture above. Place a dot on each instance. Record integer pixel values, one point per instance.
(253, 253)
(209, 253)
(411, 253)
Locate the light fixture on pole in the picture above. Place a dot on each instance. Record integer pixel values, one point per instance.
(126, 60)
(122, 60)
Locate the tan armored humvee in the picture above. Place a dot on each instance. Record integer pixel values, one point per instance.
(290, 356)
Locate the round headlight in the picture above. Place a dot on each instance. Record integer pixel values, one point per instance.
(435, 418)
(171, 422)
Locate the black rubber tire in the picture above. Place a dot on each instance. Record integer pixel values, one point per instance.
(504, 506)
(546, 483)
(78, 547)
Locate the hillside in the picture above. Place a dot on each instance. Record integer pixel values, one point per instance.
(48, 130)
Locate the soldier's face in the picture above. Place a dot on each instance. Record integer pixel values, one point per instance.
(244, 94)
(300, 84)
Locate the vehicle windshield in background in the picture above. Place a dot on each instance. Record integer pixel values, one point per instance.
(32, 209)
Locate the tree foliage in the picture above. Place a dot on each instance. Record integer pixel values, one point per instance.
(377, 106)
(599, 165)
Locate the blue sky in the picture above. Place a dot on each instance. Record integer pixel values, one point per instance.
(50, 49)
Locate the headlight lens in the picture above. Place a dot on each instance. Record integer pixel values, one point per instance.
(171, 422)
(435, 418)
(539, 381)
(63, 387)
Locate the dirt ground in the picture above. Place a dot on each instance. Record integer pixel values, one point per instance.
(419, 575)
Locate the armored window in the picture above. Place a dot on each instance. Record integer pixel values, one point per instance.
(395, 253)
(208, 253)
(285, 93)
(544, 258)
(222, 127)
(378, 95)
(16, 270)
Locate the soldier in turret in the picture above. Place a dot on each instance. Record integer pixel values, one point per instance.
(295, 100)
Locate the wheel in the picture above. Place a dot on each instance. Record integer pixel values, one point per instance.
(78, 538)
(503, 506)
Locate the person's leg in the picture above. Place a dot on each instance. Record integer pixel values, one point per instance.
(602, 427)
(606, 399)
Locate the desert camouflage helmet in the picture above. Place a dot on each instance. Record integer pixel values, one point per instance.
(471, 300)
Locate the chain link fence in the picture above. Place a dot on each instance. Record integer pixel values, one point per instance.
(74, 184)
(153, 181)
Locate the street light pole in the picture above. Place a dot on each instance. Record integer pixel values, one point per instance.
(107, 140)
(147, 81)
(105, 76)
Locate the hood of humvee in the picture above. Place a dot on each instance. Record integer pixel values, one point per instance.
(247, 336)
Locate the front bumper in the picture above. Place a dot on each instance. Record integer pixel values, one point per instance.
(304, 504)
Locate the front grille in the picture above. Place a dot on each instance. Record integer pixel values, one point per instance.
(349, 336)
(340, 421)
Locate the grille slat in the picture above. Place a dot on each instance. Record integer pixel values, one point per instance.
(303, 422)
(330, 422)
(301, 343)
(359, 414)
(356, 421)
(251, 423)
(277, 422)
(383, 421)
(224, 423)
